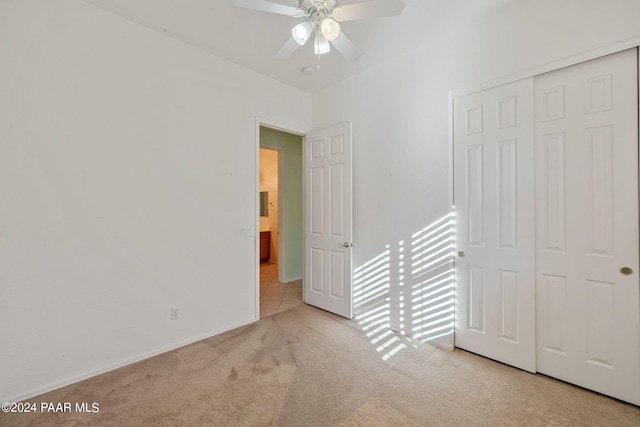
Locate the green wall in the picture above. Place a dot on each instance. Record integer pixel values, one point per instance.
(291, 208)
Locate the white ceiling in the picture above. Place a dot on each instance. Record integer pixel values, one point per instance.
(252, 38)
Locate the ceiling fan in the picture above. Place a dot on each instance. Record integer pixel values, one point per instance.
(322, 18)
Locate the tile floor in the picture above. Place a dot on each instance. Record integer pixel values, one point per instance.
(275, 296)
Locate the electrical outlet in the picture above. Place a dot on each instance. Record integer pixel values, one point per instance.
(175, 313)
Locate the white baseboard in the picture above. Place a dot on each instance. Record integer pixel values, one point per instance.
(84, 376)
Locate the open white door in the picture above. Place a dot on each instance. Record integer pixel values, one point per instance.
(328, 220)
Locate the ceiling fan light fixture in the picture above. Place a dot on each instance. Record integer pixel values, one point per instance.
(330, 29)
(302, 32)
(323, 17)
(321, 44)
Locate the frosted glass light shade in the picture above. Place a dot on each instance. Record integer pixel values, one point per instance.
(330, 29)
(302, 32)
(321, 44)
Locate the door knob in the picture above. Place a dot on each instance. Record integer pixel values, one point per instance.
(461, 254)
(626, 271)
(347, 244)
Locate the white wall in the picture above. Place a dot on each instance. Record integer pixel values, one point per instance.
(127, 168)
(401, 134)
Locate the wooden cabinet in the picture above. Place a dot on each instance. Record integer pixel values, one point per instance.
(265, 245)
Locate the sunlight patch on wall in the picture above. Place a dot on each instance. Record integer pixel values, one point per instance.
(432, 280)
(406, 292)
(372, 303)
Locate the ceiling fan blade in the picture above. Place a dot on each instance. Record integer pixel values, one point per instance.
(368, 9)
(287, 50)
(346, 47)
(269, 6)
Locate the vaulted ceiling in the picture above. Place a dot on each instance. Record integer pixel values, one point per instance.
(252, 38)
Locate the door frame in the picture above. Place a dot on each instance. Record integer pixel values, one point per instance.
(281, 230)
(272, 124)
(548, 67)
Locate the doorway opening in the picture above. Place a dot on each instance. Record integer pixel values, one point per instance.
(280, 261)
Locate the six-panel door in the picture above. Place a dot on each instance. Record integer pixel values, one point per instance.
(587, 307)
(328, 220)
(494, 181)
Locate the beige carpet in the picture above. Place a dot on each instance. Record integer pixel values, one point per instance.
(306, 367)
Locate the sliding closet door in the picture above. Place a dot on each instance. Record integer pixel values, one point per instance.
(493, 185)
(587, 272)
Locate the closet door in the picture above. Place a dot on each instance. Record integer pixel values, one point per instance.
(494, 196)
(587, 287)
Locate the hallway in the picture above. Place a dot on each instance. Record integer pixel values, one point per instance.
(276, 297)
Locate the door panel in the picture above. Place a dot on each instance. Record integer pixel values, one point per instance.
(475, 193)
(588, 313)
(328, 221)
(494, 182)
(509, 316)
(551, 168)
